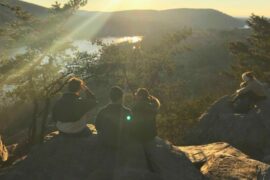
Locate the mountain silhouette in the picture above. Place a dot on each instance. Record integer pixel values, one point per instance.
(132, 22)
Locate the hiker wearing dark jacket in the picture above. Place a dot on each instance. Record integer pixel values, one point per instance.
(144, 116)
(70, 109)
(113, 121)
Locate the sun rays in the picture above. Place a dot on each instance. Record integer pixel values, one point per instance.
(98, 20)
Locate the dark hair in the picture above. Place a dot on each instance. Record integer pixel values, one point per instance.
(143, 93)
(116, 93)
(75, 84)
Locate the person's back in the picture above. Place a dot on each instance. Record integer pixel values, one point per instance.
(252, 91)
(144, 114)
(113, 121)
(69, 110)
(112, 124)
(256, 87)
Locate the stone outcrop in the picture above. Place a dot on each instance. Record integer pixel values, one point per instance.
(84, 158)
(222, 161)
(169, 162)
(248, 132)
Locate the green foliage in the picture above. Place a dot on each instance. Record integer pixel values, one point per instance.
(42, 38)
(156, 67)
(35, 73)
(180, 68)
(254, 54)
(182, 117)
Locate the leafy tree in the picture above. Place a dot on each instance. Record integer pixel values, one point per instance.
(154, 67)
(36, 72)
(254, 54)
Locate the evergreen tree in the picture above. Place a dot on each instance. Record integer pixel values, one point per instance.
(253, 54)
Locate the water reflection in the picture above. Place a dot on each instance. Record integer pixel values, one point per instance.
(88, 46)
(91, 47)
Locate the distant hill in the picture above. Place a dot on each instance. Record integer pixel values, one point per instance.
(6, 15)
(134, 22)
(141, 22)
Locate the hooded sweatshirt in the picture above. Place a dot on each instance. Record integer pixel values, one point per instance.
(144, 124)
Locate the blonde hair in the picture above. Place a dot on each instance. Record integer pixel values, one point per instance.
(248, 76)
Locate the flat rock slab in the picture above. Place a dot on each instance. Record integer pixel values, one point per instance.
(3, 152)
(202, 154)
(222, 161)
(171, 163)
(85, 159)
(227, 167)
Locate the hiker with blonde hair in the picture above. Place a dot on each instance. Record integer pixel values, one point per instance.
(251, 92)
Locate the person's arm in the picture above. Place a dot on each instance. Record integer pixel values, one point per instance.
(98, 122)
(243, 84)
(244, 90)
(89, 94)
(90, 102)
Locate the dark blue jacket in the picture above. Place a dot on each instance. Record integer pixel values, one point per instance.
(113, 124)
(71, 107)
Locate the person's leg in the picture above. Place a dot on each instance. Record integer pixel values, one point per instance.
(84, 133)
(233, 98)
(255, 98)
(243, 103)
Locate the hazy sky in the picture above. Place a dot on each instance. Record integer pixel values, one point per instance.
(231, 7)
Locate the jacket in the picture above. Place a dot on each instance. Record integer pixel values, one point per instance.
(113, 124)
(253, 86)
(71, 108)
(144, 124)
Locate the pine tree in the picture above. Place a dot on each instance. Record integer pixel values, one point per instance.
(253, 54)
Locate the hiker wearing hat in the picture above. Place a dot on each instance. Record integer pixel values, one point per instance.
(70, 109)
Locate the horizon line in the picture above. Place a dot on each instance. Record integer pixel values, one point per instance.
(136, 9)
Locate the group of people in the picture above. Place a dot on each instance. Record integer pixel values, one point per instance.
(114, 123)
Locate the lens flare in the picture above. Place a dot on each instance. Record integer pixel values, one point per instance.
(129, 118)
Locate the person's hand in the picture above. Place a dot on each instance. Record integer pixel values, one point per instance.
(84, 87)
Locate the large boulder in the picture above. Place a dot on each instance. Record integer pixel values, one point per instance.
(248, 132)
(222, 161)
(169, 162)
(85, 159)
(3, 152)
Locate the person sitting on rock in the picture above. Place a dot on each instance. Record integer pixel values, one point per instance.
(113, 121)
(70, 110)
(251, 92)
(144, 112)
